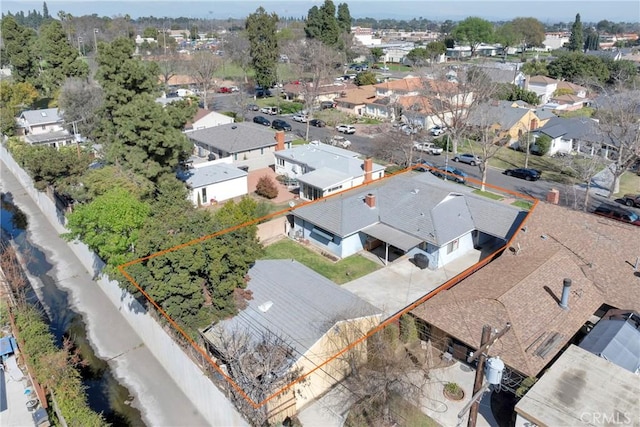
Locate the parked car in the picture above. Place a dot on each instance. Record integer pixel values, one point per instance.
(234, 89)
(428, 147)
(632, 200)
(421, 165)
(450, 173)
(224, 89)
(348, 129)
(438, 130)
(253, 107)
(467, 158)
(261, 120)
(410, 129)
(300, 118)
(524, 173)
(270, 110)
(317, 123)
(326, 105)
(263, 93)
(278, 124)
(340, 141)
(621, 215)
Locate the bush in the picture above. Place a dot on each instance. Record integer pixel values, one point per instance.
(267, 188)
(408, 329)
(543, 143)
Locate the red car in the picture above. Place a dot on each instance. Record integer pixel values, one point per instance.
(224, 90)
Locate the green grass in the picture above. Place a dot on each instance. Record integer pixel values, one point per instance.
(369, 121)
(582, 112)
(298, 142)
(522, 204)
(409, 415)
(392, 67)
(339, 272)
(230, 71)
(629, 183)
(488, 194)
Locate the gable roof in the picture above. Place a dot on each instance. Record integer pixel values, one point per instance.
(573, 128)
(294, 302)
(523, 286)
(571, 86)
(568, 99)
(234, 137)
(502, 114)
(211, 174)
(542, 80)
(357, 95)
(409, 84)
(42, 117)
(418, 205)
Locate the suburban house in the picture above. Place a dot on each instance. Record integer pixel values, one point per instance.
(616, 338)
(303, 311)
(526, 287)
(325, 92)
(246, 143)
(504, 74)
(322, 169)
(206, 119)
(353, 101)
(543, 86)
(509, 123)
(556, 40)
(577, 134)
(215, 181)
(400, 87)
(407, 213)
(43, 127)
(422, 111)
(581, 389)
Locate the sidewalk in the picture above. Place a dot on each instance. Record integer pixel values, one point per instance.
(157, 397)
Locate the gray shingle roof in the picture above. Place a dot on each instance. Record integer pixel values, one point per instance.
(505, 116)
(42, 117)
(212, 174)
(235, 137)
(416, 204)
(574, 128)
(295, 303)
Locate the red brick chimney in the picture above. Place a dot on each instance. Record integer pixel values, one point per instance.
(368, 168)
(279, 140)
(370, 200)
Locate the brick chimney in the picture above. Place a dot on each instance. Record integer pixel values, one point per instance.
(368, 168)
(370, 200)
(279, 140)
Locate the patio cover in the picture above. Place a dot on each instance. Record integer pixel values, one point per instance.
(392, 236)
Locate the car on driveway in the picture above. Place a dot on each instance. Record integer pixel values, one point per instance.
(632, 200)
(421, 165)
(317, 123)
(261, 120)
(467, 158)
(450, 173)
(300, 118)
(428, 147)
(621, 215)
(438, 130)
(253, 107)
(348, 129)
(278, 124)
(524, 173)
(224, 89)
(340, 141)
(270, 110)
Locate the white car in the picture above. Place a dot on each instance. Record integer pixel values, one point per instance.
(348, 129)
(428, 147)
(270, 110)
(300, 118)
(438, 130)
(340, 141)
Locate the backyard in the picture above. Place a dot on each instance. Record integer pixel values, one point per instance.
(339, 272)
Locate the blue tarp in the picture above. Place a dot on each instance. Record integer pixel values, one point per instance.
(8, 345)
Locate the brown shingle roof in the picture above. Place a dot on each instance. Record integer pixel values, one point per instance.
(523, 288)
(409, 84)
(544, 80)
(358, 95)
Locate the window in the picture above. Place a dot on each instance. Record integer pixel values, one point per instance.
(452, 246)
(204, 195)
(281, 162)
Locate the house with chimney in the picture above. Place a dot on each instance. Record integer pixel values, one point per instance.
(562, 271)
(214, 181)
(323, 170)
(247, 144)
(411, 213)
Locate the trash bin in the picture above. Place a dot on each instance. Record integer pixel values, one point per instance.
(421, 260)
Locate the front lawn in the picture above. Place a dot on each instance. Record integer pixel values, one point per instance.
(629, 183)
(339, 272)
(488, 194)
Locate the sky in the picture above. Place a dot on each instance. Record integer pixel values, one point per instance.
(548, 11)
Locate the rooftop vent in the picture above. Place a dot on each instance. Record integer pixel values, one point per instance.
(265, 306)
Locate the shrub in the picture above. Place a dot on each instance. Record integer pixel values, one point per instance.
(452, 388)
(543, 143)
(267, 188)
(408, 329)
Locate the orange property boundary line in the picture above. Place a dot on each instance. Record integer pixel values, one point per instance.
(443, 287)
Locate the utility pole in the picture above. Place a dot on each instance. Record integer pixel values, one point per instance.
(95, 40)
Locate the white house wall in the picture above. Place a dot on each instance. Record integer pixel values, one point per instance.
(221, 191)
(39, 129)
(212, 120)
(465, 244)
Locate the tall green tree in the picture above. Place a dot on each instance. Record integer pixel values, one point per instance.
(376, 53)
(58, 59)
(508, 36)
(261, 32)
(578, 68)
(344, 18)
(13, 98)
(322, 24)
(45, 11)
(330, 30)
(435, 50)
(313, 24)
(16, 49)
(530, 30)
(473, 31)
(592, 40)
(576, 40)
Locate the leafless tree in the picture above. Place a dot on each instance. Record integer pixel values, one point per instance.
(583, 169)
(618, 114)
(394, 146)
(169, 65)
(201, 68)
(260, 365)
(236, 47)
(315, 62)
(14, 276)
(80, 100)
(388, 365)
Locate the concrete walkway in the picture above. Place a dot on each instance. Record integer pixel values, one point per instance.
(157, 397)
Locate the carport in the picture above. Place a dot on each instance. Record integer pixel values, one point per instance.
(392, 237)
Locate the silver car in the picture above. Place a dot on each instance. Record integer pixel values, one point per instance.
(470, 159)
